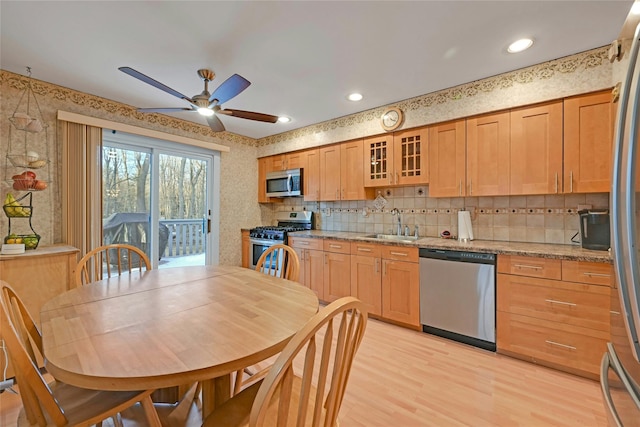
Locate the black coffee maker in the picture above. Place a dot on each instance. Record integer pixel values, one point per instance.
(594, 229)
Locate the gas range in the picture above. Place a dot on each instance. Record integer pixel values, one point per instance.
(287, 222)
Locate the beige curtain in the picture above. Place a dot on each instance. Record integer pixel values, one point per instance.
(81, 186)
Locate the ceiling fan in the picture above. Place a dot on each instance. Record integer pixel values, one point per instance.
(205, 103)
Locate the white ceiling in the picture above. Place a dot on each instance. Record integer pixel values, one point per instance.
(302, 57)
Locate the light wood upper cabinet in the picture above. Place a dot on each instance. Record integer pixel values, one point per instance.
(311, 175)
(330, 172)
(352, 172)
(536, 149)
(264, 166)
(588, 138)
(447, 143)
(410, 156)
(488, 148)
(341, 172)
(286, 161)
(378, 160)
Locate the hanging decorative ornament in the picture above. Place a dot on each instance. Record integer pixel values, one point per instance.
(28, 147)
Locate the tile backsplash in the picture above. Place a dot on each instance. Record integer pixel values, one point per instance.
(536, 219)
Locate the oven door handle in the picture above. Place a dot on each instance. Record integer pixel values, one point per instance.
(264, 242)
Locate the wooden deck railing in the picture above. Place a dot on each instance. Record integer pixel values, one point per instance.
(186, 237)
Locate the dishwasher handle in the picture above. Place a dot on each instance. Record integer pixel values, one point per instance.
(460, 256)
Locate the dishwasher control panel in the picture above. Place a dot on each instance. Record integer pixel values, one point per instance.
(461, 256)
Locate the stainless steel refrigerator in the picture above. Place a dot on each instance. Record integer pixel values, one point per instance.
(620, 369)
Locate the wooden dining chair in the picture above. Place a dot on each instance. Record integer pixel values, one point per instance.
(280, 261)
(57, 404)
(330, 341)
(110, 260)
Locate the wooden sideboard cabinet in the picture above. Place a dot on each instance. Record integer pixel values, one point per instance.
(554, 312)
(38, 276)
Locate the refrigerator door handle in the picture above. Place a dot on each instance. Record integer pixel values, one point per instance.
(606, 393)
(610, 361)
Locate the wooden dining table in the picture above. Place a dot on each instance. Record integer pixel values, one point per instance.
(168, 327)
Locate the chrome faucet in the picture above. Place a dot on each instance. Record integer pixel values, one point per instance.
(395, 211)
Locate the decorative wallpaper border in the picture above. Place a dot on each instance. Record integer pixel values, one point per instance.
(544, 71)
(60, 93)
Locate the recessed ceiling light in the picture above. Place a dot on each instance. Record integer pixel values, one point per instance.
(520, 45)
(284, 119)
(354, 97)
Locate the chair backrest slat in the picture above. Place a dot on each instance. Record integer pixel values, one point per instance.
(102, 260)
(280, 261)
(327, 364)
(35, 392)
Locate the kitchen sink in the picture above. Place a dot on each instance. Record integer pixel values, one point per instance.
(393, 237)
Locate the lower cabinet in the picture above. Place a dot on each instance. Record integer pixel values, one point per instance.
(562, 322)
(401, 285)
(311, 255)
(246, 248)
(386, 278)
(337, 269)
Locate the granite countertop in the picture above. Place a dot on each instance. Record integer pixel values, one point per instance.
(544, 250)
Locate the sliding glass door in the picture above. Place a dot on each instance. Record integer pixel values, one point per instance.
(157, 196)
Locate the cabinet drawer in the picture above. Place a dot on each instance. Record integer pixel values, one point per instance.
(338, 246)
(366, 249)
(530, 266)
(305, 242)
(565, 302)
(537, 340)
(595, 273)
(400, 253)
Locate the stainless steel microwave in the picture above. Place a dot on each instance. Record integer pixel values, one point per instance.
(285, 183)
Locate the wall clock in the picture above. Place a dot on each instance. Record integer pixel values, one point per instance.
(391, 118)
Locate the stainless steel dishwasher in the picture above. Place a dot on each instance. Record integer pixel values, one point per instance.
(458, 296)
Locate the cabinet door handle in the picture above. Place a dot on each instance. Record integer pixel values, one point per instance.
(335, 246)
(568, 347)
(460, 188)
(384, 268)
(364, 249)
(532, 267)
(471, 187)
(377, 265)
(302, 255)
(302, 243)
(553, 301)
(590, 274)
(337, 194)
(571, 181)
(326, 258)
(399, 254)
(556, 182)
(397, 178)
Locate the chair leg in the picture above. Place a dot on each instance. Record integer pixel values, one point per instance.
(238, 382)
(150, 412)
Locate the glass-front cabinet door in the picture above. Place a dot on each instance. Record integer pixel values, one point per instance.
(410, 157)
(378, 161)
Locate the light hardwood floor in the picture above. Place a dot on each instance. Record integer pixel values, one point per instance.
(407, 378)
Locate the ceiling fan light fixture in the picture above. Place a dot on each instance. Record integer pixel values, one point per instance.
(205, 111)
(520, 45)
(354, 96)
(284, 119)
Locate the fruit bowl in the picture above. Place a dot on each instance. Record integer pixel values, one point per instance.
(30, 241)
(14, 208)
